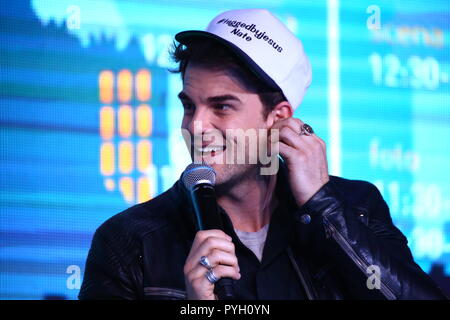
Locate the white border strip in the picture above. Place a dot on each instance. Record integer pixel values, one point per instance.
(334, 93)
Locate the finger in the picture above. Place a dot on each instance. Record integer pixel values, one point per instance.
(220, 271)
(206, 247)
(219, 257)
(202, 235)
(312, 143)
(296, 126)
(210, 244)
(293, 123)
(286, 151)
(227, 272)
(322, 143)
(292, 138)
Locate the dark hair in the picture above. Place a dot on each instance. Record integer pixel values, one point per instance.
(212, 54)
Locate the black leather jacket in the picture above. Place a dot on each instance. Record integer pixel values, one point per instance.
(140, 253)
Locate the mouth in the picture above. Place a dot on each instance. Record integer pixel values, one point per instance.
(209, 150)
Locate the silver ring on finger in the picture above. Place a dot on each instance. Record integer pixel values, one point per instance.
(211, 276)
(204, 261)
(306, 130)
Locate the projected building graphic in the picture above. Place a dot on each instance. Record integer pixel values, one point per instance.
(126, 128)
(89, 118)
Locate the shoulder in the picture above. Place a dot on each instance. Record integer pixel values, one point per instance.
(120, 240)
(357, 186)
(357, 193)
(141, 219)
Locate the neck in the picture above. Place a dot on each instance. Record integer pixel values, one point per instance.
(250, 203)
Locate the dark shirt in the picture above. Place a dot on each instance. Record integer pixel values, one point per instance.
(274, 277)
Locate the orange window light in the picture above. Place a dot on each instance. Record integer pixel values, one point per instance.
(125, 119)
(143, 190)
(144, 120)
(126, 185)
(126, 157)
(125, 85)
(143, 82)
(107, 162)
(107, 122)
(144, 155)
(106, 86)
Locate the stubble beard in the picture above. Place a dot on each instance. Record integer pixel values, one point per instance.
(228, 176)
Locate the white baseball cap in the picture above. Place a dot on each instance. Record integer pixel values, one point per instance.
(266, 45)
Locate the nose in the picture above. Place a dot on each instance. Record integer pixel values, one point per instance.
(200, 122)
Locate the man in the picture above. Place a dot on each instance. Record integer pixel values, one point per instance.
(295, 234)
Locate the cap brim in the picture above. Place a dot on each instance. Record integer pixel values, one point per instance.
(184, 37)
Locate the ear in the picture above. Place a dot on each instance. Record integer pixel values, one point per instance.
(282, 110)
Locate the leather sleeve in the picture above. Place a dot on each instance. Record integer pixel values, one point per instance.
(105, 276)
(355, 237)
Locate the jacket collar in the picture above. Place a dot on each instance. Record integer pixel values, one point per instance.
(282, 221)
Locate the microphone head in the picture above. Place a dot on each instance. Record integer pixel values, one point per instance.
(196, 173)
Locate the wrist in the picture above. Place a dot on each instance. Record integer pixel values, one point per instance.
(304, 197)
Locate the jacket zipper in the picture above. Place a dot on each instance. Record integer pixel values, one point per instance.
(300, 275)
(330, 229)
(155, 291)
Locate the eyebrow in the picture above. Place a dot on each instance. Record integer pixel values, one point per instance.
(226, 97)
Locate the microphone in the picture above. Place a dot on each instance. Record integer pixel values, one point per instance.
(200, 179)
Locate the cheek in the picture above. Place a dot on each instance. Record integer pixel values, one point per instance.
(254, 115)
(254, 121)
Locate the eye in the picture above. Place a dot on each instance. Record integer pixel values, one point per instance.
(188, 107)
(222, 107)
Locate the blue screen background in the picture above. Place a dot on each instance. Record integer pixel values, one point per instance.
(379, 98)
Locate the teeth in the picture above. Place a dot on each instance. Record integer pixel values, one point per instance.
(209, 149)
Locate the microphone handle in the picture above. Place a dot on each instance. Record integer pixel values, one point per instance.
(208, 217)
(224, 289)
